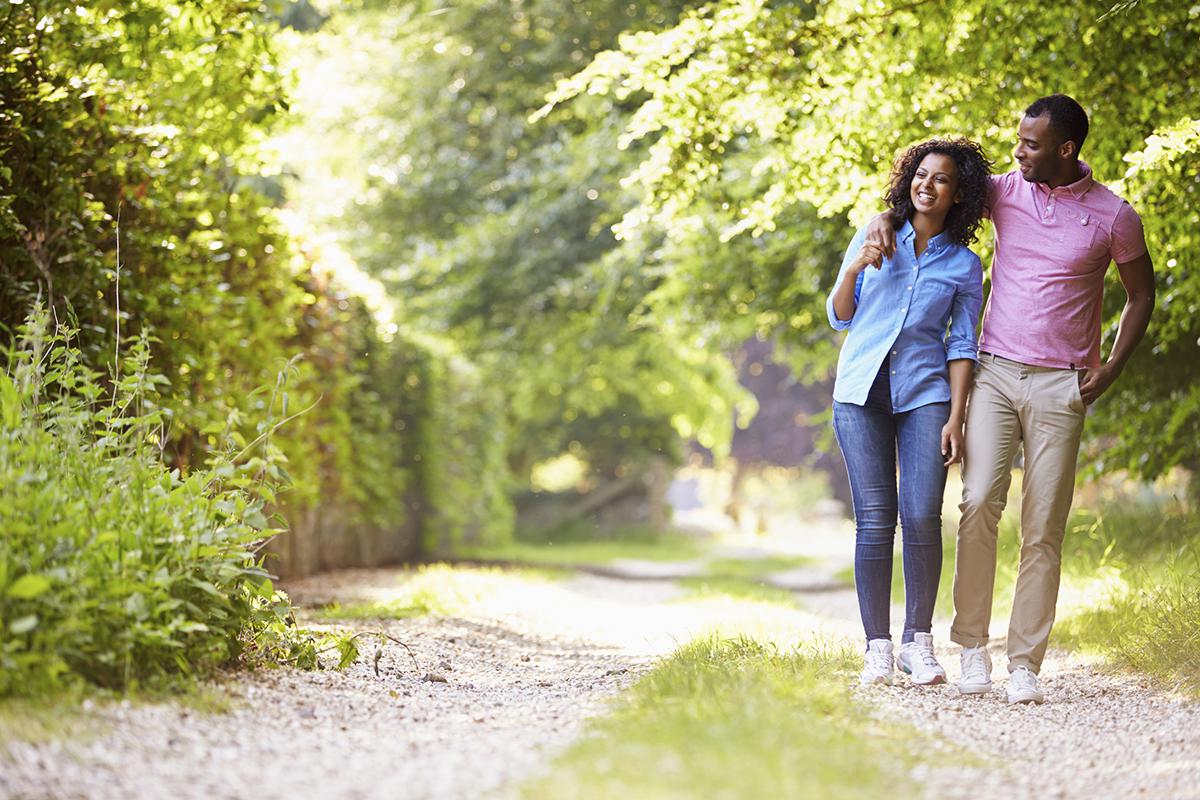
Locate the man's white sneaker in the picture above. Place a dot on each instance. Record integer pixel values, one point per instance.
(1023, 687)
(877, 663)
(917, 659)
(976, 671)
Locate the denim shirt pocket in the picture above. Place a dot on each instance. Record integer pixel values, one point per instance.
(934, 301)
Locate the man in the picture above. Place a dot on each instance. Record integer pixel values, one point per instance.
(1057, 230)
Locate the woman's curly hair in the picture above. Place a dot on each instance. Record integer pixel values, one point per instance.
(962, 221)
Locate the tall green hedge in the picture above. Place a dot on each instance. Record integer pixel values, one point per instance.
(134, 198)
(457, 443)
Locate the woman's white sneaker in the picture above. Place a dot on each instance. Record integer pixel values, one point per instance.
(917, 659)
(976, 671)
(1023, 687)
(877, 663)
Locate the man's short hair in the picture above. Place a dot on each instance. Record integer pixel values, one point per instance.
(1068, 120)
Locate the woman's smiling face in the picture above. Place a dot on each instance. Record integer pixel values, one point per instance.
(934, 187)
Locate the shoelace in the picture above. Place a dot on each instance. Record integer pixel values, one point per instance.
(927, 657)
(880, 661)
(1023, 679)
(974, 668)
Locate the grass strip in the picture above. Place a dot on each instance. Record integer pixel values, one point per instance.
(756, 567)
(442, 590)
(735, 718)
(668, 547)
(704, 588)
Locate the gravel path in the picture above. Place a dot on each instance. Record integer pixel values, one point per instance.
(516, 689)
(521, 681)
(1099, 735)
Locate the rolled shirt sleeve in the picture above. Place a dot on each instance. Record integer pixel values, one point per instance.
(964, 317)
(1128, 238)
(851, 251)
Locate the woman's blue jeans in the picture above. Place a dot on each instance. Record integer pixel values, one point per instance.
(871, 436)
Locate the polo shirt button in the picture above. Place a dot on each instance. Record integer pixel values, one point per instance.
(893, 372)
(910, 288)
(895, 353)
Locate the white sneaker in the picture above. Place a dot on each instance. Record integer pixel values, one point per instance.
(976, 671)
(877, 663)
(917, 659)
(1023, 688)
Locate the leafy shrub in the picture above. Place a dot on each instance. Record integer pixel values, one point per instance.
(113, 568)
(459, 443)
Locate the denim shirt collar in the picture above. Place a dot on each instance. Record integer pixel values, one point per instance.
(907, 234)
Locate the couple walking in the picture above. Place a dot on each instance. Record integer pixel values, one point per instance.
(915, 391)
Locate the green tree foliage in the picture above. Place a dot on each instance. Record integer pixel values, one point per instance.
(495, 233)
(804, 104)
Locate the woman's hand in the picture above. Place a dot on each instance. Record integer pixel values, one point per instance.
(953, 443)
(869, 255)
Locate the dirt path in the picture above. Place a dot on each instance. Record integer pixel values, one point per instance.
(517, 687)
(521, 681)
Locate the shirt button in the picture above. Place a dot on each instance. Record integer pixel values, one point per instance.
(910, 288)
(893, 372)
(895, 353)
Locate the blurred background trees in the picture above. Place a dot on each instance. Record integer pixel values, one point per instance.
(505, 232)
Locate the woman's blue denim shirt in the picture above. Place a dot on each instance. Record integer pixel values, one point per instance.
(922, 312)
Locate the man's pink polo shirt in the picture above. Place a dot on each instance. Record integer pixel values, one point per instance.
(1053, 247)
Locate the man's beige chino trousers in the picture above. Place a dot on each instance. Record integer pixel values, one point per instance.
(1014, 404)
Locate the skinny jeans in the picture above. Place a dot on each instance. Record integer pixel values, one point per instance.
(875, 440)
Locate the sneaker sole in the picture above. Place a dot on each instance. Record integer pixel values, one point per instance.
(1036, 700)
(936, 680)
(878, 681)
(975, 689)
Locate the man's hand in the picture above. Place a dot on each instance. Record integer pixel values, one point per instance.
(953, 442)
(881, 232)
(1095, 382)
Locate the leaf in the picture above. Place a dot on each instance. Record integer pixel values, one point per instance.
(23, 624)
(347, 651)
(28, 587)
(10, 403)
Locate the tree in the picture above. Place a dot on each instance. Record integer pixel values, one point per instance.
(495, 233)
(805, 104)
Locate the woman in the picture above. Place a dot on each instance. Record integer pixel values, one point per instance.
(902, 382)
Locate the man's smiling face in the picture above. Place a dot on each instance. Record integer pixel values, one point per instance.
(1039, 151)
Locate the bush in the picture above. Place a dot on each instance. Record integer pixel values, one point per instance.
(459, 443)
(114, 569)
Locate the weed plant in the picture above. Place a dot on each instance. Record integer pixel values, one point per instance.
(114, 569)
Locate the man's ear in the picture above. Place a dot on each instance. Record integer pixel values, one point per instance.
(1067, 149)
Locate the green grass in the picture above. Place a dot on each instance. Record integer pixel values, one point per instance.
(1133, 583)
(709, 587)
(735, 718)
(663, 547)
(755, 567)
(442, 590)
